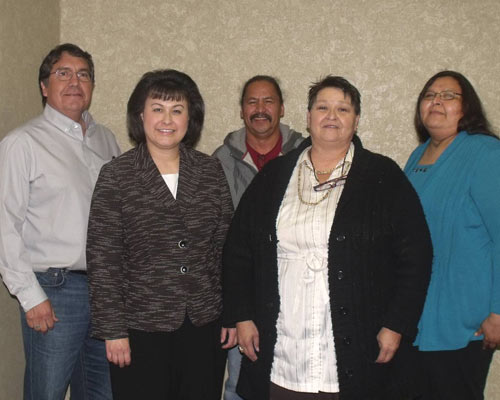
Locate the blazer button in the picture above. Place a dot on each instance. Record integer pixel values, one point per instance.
(348, 372)
(343, 311)
(182, 244)
(347, 340)
(340, 238)
(184, 269)
(340, 275)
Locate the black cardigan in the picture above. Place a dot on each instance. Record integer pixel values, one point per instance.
(379, 265)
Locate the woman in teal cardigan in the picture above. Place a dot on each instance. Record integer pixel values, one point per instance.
(456, 172)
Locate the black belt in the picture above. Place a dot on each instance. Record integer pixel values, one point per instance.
(79, 272)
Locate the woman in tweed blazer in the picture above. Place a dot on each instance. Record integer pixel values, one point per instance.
(158, 220)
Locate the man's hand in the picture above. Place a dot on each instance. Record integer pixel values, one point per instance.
(388, 342)
(42, 317)
(228, 335)
(248, 339)
(118, 352)
(490, 328)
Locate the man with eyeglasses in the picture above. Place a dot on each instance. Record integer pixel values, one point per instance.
(48, 168)
(246, 151)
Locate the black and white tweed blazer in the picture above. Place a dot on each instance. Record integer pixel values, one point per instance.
(152, 258)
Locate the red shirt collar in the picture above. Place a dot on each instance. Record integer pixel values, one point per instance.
(262, 159)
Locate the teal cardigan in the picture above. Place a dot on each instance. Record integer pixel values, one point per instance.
(460, 195)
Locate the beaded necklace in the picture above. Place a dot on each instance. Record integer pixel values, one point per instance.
(327, 191)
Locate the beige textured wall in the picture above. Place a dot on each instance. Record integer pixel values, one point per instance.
(387, 48)
(27, 30)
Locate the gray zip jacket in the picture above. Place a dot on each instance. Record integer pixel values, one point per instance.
(239, 174)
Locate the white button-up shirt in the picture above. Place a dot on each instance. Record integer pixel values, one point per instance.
(48, 170)
(304, 355)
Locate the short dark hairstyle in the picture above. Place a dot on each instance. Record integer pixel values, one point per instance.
(166, 84)
(54, 56)
(474, 120)
(258, 78)
(338, 82)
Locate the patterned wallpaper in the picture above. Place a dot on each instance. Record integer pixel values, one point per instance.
(387, 48)
(23, 44)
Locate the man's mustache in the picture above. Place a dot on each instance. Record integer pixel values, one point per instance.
(260, 115)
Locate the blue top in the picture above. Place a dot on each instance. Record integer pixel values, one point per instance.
(460, 195)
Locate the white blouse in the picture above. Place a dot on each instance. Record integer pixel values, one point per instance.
(171, 180)
(304, 356)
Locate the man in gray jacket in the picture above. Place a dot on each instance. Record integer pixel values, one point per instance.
(246, 151)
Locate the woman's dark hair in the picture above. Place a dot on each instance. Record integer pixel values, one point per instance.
(474, 120)
(54, 56)
(166, 84)
(258, 78)
(338, 82)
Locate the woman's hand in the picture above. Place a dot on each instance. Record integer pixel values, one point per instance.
(490, 328)
(388, 342)
(118, 352)
(248, 339)
(228, 334)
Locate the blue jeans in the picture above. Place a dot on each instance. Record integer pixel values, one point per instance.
(233, 372)
(66, 355)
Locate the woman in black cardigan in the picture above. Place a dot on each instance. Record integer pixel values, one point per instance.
(326, 265)
(158, 221)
